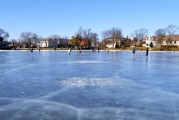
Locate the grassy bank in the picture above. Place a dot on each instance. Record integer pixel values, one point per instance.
(151, 49)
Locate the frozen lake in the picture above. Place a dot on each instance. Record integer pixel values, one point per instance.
(52, 85)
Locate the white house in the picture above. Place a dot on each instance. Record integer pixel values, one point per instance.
(148, 40)
(111, 44)
(49, 43)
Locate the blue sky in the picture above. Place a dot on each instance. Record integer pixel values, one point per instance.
(64, 17)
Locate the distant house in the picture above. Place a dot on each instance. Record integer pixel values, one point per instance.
(149, 40)
(172, 41)
(49, 43)
(110, 44)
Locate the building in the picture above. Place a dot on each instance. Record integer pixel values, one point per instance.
(109, 43)
(171, 41)
(49, 43)
(149, 40)
(113, 45)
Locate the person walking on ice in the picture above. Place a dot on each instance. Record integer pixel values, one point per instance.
(69, 50)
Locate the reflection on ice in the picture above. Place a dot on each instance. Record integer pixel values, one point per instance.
(98, 82)
(87, 62)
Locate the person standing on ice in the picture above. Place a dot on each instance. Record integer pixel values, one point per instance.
(147, 51)
(79, 50)
(133, 51)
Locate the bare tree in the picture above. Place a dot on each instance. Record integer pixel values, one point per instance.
(160, 34)
(29, 37)
(14, 44)
(40, 39)
(94, 39)
(115, 34)
(86, 33)
(55, 36)
(4, 34)
(80, 31)
(170, 31)
(85, 38)
(90, 37)
(140, 34)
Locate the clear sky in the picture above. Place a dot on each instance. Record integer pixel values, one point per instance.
(64, 17)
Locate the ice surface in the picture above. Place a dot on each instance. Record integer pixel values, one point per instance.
(52, 85)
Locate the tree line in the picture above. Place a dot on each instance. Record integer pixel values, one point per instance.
(87, 39)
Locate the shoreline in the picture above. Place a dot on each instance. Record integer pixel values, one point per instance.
(152, 49)
(86, 50)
